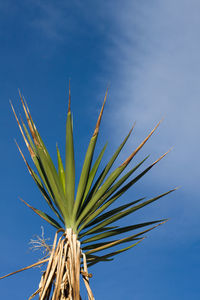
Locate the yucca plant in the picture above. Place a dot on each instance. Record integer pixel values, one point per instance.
(84, 220)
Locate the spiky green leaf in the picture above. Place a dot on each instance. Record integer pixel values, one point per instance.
(69, 165)
(120, 230)
(87, 164)
(44, 216)
(93, 171)
(126, 212)
(61, 171)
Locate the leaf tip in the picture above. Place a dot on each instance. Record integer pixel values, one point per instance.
(177, 188)
(100, 115)
(132, 127)
(127, 161)
(162, 156)
(24, 202)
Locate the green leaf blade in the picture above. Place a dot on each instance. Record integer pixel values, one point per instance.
(94, 171)
(44, 216)
(69, 165)
(87, 165)
(61, 170)
(128, 211)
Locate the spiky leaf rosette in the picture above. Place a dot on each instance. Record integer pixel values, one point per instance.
(88, 212)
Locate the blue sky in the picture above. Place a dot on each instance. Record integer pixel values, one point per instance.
(148, 51)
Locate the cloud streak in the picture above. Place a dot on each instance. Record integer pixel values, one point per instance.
(156, 50)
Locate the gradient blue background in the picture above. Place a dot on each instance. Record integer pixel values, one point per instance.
(149, 53)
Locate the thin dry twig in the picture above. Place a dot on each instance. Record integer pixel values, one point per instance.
(26, 268)
(61, 280)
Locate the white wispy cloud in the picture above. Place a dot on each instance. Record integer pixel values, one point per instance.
(155, 50)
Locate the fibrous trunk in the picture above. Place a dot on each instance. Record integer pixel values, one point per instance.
(61, 280)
